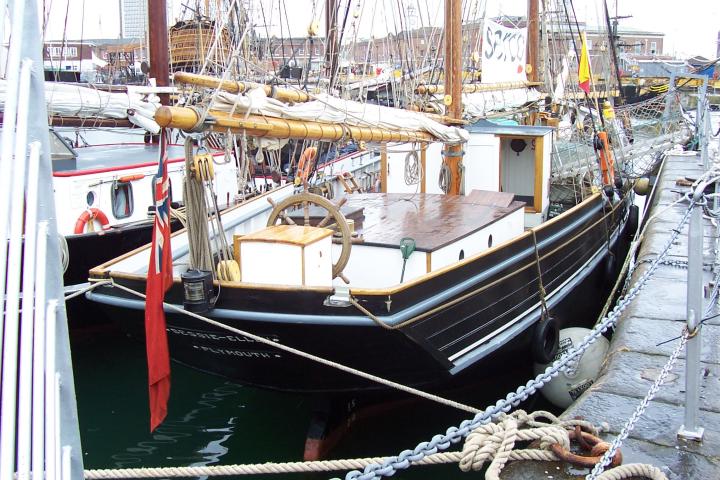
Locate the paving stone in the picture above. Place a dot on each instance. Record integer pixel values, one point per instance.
(658, 425)
(635, 359)
(676, 462)
(632, 374)
(643, 335)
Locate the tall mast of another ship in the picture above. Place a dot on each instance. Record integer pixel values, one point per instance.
(158, 46)
(533, 39)
(453, 86)
(332, 45)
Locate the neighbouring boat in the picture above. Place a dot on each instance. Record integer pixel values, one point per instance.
(104, 197)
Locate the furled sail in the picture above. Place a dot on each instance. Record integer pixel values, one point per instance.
(67, 100)
(327, 109)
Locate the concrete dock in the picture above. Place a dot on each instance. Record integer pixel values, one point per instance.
(635, 359)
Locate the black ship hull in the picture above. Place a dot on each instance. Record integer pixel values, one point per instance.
(458, 322)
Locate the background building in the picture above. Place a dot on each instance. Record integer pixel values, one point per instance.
(134, 18)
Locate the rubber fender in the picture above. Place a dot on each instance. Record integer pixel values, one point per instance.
(632, 220)
(545, 340)
(609, 264)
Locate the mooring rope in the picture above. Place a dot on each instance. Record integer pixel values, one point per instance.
(309, 356)
(493, 442)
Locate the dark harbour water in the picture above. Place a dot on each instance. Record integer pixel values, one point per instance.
(215, 422)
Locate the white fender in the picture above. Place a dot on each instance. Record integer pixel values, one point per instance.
(564, 389)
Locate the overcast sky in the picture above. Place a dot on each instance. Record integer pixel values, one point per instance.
(691, 26)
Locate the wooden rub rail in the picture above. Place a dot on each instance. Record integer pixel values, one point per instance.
(232, 86)
(187, 119)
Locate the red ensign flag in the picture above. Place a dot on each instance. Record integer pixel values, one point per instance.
(159, 280)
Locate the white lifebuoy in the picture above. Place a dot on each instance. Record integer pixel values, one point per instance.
(89, 216)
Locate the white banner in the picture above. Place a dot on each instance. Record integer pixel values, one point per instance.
(503, 53)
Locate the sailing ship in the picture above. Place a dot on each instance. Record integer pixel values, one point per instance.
(422, 282)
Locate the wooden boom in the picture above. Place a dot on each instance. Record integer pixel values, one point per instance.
(232, 86)
(477, 87)
(256, 125)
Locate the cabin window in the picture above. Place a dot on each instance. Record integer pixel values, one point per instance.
(653, 47)
(122, 199)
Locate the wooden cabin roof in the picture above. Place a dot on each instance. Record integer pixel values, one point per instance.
(433, 220)
(290, 234)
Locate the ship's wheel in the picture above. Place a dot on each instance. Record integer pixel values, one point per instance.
(305, 199)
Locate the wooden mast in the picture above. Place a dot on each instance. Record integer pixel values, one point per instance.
(158, 46)
(453, 87)
(533, 39)
(332, 46)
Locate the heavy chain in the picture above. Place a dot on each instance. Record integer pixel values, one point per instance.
(456, 434)
(630, 424)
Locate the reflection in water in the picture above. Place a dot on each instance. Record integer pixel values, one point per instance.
(187, 426)
(214, 422)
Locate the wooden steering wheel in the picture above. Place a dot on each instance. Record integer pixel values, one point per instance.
(304, 199)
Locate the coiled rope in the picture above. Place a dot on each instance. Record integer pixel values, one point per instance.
(413, 169)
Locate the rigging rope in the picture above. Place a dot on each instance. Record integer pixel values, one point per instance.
(196, 214)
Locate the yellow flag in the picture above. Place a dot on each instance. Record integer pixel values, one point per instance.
(584, 72)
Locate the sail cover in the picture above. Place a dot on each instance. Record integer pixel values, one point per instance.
(328, 109)
(503, 53)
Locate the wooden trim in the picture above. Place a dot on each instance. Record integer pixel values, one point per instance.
(102, 269)
(423, 167)
(383, 291)
(428, 262)
(538, 173)
(383, 168)
(230, 285)
(398, 288)
(302, 265)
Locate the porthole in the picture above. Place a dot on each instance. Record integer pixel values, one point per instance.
(90, 198)
(122, 199)
(490, 241)
(462, 255)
